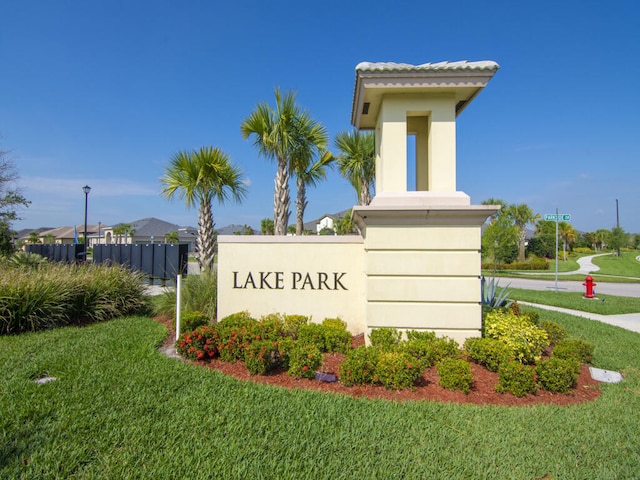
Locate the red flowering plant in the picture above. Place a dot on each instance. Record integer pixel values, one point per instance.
(304, 361)
(200, 344)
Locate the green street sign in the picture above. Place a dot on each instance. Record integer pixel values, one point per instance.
(560, 217)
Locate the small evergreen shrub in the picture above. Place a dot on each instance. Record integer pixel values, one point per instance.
(272, 327)
(359, 366)
(236, 332)
(525, 341)
(200, 344)
(425, 335)
(285, 347)
(554, 331)
(574, 348)
(313, 334)
(455, 374)
(533, 317)
(261, 357)
(489, 352)
(385, 339)
(292, 324)
(430, 351)
(397, 370)
(516, 378)
(558, 375)
(304, 361)
(336, 336)
(582, 250)
(192, 320)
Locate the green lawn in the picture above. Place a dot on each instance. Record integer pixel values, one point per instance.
(120, 409)
(626, 265)
(575, 301)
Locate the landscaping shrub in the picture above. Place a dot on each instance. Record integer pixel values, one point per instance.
(455, 374)
(285, 347)
(192, 320)
(385, 339)
(554, 331)
(261, 356)
(429, 351)
(272, 327)
(358, 367)
(558, 374)
(582, 250)
(516, 378)
(200, 344)
(313, 334)
(304, 361)
(236, 332)
(574, 348)
(426, 335)
(525, 341)
(336, 336)
(56, 294)
(397, 370)
(533, 317)
(292, 324)
(489, 352)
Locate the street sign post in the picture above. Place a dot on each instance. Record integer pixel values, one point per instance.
(558, 217)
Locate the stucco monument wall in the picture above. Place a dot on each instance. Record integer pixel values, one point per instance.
(318, 276)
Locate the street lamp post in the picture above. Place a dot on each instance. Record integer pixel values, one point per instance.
(86, 189)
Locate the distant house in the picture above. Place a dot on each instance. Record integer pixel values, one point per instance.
(145, 230)
(60, 235)
(326, 221)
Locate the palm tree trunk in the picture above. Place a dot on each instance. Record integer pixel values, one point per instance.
(521, 243)
(281, 198)
(301, 204)
(365, 193)
(206, 240)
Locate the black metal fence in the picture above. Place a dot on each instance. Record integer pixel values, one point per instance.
(157, 260)
(70, 253)
(163, 261)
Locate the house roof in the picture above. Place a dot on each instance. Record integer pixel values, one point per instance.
(154, 227)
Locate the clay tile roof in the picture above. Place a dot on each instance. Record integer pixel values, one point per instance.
(439, 66)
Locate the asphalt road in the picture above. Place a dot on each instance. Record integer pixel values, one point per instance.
(621, 289)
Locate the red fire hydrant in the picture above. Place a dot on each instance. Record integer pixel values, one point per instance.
(589, 283)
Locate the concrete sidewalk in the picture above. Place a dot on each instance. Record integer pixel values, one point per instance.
(629, 321)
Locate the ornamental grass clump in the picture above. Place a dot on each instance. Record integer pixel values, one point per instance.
(397, 370)
(525, 340)
(455, 374)
(359, 366)
(558, 375)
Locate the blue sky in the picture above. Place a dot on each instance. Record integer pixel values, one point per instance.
(103, 93)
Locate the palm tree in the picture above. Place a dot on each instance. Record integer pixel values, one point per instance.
(310, 141)
(199, 177)
(266, 226)
(172, 237)
(522, 216)
(273, 133)
(568, 235)
(357, 163)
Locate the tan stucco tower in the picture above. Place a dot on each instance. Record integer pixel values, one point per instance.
(422, 247)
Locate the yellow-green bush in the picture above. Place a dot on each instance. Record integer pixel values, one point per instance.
(525, 341)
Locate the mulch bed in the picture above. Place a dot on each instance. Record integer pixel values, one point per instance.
(427, 387)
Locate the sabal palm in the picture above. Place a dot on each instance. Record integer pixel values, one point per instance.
(199, 177)
(568, 235)
(357, 162)
(273, 131)
(522, 216)
(310, 142)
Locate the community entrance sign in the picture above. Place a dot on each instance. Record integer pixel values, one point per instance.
(416, 263)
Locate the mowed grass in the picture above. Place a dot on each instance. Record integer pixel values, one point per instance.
(120, 409)
(625, 265)
(612, 304)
